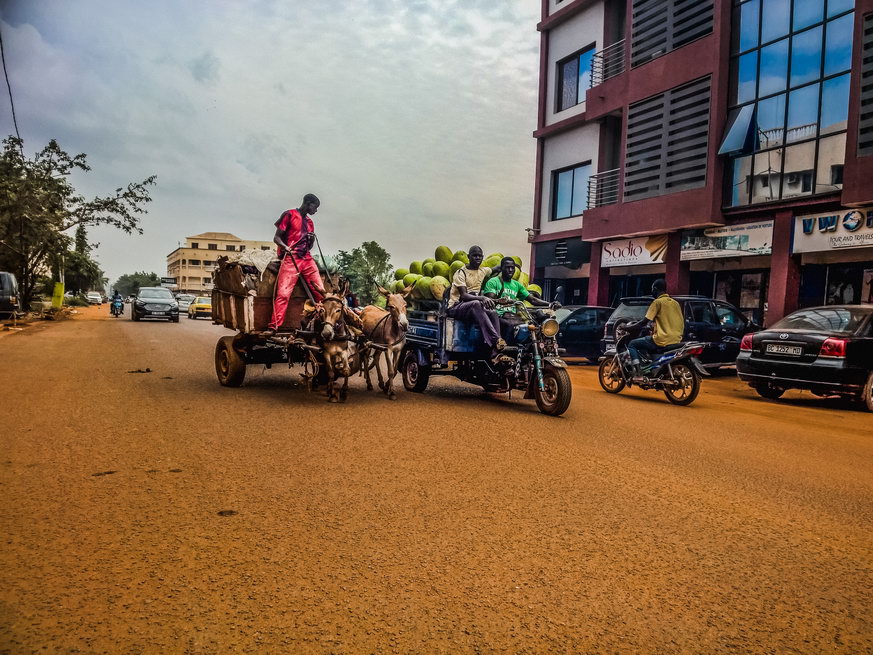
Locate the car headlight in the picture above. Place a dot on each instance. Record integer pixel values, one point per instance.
(174, 305)
(550, 327)
(140, 303)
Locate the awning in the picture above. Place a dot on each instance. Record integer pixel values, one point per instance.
(570, 253)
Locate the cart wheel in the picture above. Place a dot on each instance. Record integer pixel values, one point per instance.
(557, 391)
(415, 376)
(229, 366)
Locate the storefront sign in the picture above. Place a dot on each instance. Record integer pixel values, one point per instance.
(728, 241)
(851, 228)
(634, 251)
(570, 253)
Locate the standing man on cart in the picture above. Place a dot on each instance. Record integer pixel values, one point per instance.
(295, 235)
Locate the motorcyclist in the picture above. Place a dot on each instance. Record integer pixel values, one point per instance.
(116, 298)
(504, 289)
(669, 326)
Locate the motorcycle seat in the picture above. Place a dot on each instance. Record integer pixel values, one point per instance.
(666, 349)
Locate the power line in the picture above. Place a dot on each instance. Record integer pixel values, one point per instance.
(9, 88)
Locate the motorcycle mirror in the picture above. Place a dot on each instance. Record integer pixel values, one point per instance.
(559, 292)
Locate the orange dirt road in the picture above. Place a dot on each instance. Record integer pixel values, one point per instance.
(162, 513)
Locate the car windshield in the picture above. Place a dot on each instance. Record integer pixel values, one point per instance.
(824, 319)
(633, 311)
(163, 294)
(203, 301)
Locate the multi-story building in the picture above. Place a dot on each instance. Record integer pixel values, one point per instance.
(192, 264)
(726, 145)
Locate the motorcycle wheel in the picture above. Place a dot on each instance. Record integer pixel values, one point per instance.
(557, 391)
(610, 377)
(689, 380)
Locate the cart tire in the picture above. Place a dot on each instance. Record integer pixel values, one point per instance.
(415, 376)
(229, 366)
(690, 385)
(555, 399)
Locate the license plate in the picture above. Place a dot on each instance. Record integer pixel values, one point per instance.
(159, 313)
(783, 349)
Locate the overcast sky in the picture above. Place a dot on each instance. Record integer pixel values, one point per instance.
(410, 119)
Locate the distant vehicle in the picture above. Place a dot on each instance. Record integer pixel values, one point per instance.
(155, 302)
(718, 325)
(827, 350)
(581, 330)
(94, 298)
(10, 302)
(201, 306)
(184, 299)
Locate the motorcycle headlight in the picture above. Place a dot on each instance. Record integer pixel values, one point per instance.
(550, 327)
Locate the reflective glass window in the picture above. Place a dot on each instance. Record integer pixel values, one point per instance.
(564, 194)
(746, 17)
(831, 157)
(768, 172)
(806, 56)
(838, 56)
(580, 189)
(584, 74)
(835, 104)
(739, 172)
(569, 83)
(839, 6)
(747, 74)
(807, 12)
(774, 68)
(798, 170)
(802, 114)
(775, 19)
(771, 121)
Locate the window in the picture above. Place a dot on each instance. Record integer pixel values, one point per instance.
(700, 312)
(207, 280)
(791, 83)
(230, 247)
(195, 245)
(184, 262)
(570, 191)
(727, 316)
(266, 248)
(194, 262)
(213, 246)
(574, 78)
(207, 262)
(242, 248)
(865, 124)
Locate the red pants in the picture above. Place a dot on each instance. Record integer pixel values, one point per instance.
(285, 285)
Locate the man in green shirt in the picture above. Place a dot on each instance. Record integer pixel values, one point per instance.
(504, 288)
(669, 325)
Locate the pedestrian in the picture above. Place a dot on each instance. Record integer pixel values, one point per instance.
(467, 303)
(295, 235)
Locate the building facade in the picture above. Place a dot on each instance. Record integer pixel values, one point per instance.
(726, 145)
(193, 263)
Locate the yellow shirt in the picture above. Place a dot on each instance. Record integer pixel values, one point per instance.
(669, 323)
(465, 277)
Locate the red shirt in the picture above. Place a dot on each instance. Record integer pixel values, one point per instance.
(291, 223)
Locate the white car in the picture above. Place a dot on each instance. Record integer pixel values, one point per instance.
(184, 299)
(94, 298)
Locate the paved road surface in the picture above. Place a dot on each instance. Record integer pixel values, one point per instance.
(447, 522)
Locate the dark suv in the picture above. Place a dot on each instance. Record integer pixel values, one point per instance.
(9, 302)
(718, 324)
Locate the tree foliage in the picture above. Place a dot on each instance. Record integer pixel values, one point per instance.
(39, 204)
(364, 267)
(130, 283)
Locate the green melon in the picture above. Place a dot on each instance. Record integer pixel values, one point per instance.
(517, 259)
(443, 254)
(524, 279)
(430, 260)
(415, 267)
(410, 278)
(427, 268)
(455, 267)
(401, 273)
(397, 287)
(517, 273)
(461, 256)
(422, 288)
(442, 269)
(439, 285)
(492, 261)
(499, 256)
(535, 288)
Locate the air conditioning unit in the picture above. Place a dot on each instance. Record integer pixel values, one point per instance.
(793, 178)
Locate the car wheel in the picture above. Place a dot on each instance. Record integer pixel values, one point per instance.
(867, 394)
(415, 376)
(175, 319)
(768, 391)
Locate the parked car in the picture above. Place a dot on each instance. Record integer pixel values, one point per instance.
(718, 324)
(94, 298)
(827, 350)
(9, 299)
(581, 330)
(202, 306)
(184, 299)
(155, 302)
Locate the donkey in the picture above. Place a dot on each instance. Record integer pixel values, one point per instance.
(343, 355)
(386, 327)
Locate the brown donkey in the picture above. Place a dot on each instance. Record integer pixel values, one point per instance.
(343, 355)
(387, 328)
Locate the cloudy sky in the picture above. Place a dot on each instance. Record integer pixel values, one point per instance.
(410, 119)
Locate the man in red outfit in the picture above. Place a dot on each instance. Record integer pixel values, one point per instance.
(294, 237)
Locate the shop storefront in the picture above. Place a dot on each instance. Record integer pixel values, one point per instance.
(564, 264)
(731, 263)
(836, 252)
(633, 264)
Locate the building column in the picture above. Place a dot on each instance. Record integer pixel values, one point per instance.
(678, 272)
(782, 297)
(598, 279)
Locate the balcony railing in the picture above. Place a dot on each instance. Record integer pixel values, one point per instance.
(607, 63)
(604, 188)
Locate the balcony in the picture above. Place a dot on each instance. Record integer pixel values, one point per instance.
(607, 63)
(604, 188)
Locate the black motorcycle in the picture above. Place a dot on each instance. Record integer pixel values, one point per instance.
(117, 307)
(675, 369)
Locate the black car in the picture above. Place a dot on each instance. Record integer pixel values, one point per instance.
(155, 302)
(581, 330)
(718, 324)
(827, 350)
(9, 302)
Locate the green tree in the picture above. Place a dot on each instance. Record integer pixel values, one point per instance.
(39, 205)
(364, 267)
(130, 283)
